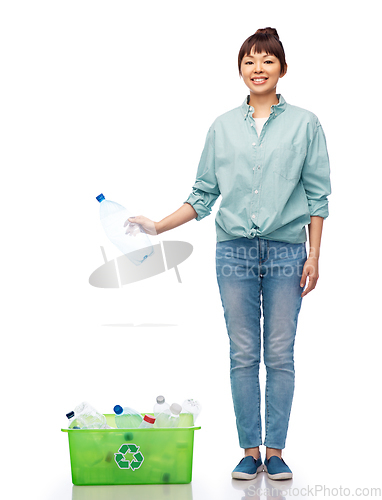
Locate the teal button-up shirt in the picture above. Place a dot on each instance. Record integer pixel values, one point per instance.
(270, 185)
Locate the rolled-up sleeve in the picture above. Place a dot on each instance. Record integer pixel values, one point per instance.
(205, 190)
(315, 174)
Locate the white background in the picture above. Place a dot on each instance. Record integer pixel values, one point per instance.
(117, 97)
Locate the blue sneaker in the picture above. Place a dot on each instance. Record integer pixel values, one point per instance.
(276, 468)
(247, 468)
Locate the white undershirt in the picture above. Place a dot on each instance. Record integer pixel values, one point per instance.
(259, 122)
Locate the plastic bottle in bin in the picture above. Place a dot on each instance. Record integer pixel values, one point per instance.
(127, 418)
(90, 417)
(160, 406)
(169, 417)
(192, 406)
(147, 422)
(74, 421)
(135, 243)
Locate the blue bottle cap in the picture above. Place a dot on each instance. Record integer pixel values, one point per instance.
(118, 409)
(100, 197)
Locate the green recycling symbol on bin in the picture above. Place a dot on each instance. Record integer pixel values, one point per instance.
(129, 464)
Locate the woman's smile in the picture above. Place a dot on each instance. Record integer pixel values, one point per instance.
(259, 81)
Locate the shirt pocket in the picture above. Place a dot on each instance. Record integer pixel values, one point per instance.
(288, 162)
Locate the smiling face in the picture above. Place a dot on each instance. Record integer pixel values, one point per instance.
(261, 72)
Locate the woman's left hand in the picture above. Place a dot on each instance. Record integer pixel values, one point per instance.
(310, 270)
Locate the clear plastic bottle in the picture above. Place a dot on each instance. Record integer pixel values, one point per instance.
(135, 245)
(74, 421)
(192, 406)
(147, 422)
(90, 417)
(170, 417)
(127, 418)
(160, 406)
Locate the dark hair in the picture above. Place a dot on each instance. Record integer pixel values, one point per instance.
(264, 40)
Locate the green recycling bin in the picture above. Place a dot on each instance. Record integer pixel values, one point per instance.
(132, 456)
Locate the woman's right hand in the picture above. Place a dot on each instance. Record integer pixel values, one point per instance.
(184, 214)
(147, 225)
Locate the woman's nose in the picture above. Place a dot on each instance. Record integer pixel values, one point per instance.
(258, 68)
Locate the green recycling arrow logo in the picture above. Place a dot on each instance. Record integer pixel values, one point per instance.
(129, 464)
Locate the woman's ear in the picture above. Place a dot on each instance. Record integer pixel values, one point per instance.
(285, 70)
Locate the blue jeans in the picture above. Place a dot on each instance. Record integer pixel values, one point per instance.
(254, 276)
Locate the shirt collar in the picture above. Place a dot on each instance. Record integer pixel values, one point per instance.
(275, 108)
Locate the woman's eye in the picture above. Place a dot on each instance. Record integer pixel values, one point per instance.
(268, 61)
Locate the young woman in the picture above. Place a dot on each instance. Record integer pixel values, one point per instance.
(268, 161)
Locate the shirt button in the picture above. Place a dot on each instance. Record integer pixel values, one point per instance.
(253, 216)
(253, 143)
(256, 191)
